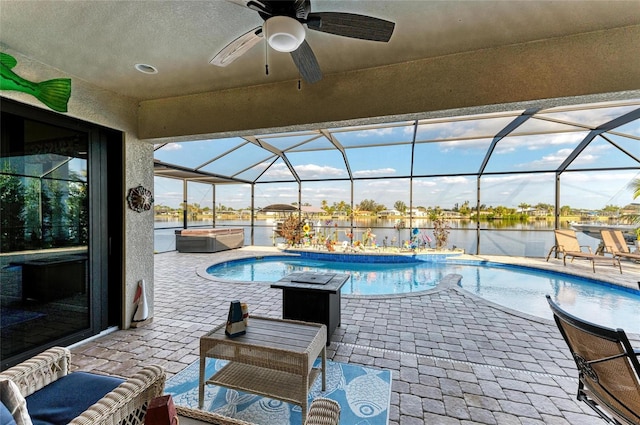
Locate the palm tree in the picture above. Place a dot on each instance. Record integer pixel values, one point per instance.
(342, 207)
(400, 206)
(634, 185)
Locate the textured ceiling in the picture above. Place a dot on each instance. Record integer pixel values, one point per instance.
(101, 41)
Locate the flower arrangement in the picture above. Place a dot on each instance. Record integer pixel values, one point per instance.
(307, 233)
(291, 230)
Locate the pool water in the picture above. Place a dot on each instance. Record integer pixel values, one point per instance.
(519, 288)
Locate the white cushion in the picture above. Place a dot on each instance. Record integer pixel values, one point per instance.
(14, 401)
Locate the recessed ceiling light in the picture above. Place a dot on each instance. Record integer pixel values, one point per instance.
(146, 69)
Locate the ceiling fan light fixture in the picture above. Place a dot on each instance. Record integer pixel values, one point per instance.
(284, 34)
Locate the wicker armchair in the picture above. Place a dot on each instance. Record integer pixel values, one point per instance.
(125, 405)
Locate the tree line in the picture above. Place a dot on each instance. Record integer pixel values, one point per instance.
(369, 207)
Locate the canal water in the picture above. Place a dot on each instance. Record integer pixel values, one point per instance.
(533, 239)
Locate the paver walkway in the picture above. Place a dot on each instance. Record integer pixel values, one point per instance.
(455, 358)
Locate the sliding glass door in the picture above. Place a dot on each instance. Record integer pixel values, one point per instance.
(52, 280)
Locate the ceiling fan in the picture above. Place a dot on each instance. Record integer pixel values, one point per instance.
(284, 31)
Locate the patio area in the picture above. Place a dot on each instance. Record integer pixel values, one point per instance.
(455, 358)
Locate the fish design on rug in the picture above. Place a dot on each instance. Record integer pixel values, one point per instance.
(335, 381)
(266, 411)
(233, 400)
(367, 394)
(53, 93)
(184, 386)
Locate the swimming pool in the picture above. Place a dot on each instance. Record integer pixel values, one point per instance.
(519, 288)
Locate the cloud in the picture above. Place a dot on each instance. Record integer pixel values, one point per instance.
(589, 156)
(306, 171)
(619, 177)
(594, 117)
(487, 127)
(516, 178)
(319, 171)
(420, 183)
(171, 147)
(386, 184)
(278, 170)
(547, 161)
(171, 199)
(329, 189)
(455, 180)
(376, 172)
(535, 142)
(464, 145)
(265, 165)
(376, 132)
(279, 188)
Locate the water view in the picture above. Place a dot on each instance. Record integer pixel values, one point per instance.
(528, 239)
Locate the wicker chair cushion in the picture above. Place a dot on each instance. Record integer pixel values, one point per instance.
(5, 416)
(65, 399)
(14, 402)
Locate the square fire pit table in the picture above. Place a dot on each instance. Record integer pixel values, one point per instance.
(274, 358)
(312, 297)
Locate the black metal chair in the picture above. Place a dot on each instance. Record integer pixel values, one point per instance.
(609, 371)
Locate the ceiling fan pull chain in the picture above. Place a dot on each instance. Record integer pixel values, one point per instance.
(266, 52)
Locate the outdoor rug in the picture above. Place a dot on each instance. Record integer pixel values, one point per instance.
(363, 393)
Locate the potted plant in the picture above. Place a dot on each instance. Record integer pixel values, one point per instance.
(440, 232)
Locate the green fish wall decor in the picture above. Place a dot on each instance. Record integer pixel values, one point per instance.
(53, 93)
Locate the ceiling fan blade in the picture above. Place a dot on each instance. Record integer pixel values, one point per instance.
(307, 63)
(257, 5)
(351, 25)
(302, 8)
(237, 47)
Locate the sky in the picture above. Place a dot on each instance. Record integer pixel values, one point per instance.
(446, 150)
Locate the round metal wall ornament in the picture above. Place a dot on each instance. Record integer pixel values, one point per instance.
(140, 199)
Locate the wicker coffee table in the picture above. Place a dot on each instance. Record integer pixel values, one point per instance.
(274, 359)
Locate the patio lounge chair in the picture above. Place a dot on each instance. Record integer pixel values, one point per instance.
(615, 244)
(567, 244)
(608, 367)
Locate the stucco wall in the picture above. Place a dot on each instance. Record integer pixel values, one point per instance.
(94, 105)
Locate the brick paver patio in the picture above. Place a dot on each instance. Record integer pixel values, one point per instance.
(455, 358)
